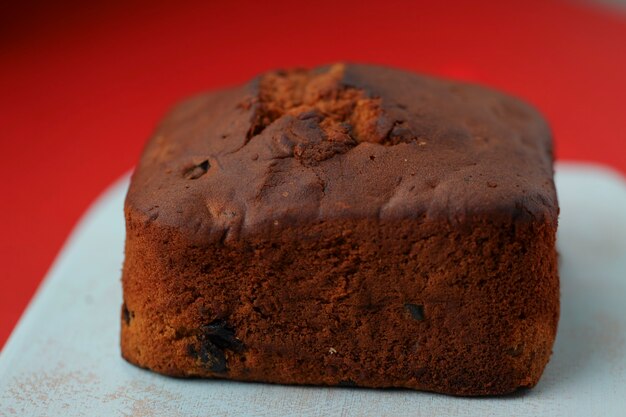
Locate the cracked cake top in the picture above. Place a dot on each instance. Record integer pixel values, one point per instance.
(343, 142)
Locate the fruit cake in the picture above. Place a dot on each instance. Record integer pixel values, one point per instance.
(347, 225)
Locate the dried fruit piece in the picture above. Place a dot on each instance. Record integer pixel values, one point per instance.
(219, 333)
(347, 383)
(198, 170)
(126, 315)
(214, 339)
(415, 310)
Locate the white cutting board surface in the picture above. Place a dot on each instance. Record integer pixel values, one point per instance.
(63, 358)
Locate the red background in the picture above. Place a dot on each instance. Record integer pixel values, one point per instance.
(82, 84)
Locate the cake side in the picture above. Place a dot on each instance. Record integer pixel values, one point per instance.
(466, 310)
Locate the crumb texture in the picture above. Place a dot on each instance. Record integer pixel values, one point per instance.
(346, 225)
(343, 115)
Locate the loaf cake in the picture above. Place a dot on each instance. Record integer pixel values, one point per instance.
(348, 225)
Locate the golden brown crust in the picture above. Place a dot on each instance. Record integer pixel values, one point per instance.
(444, 280)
